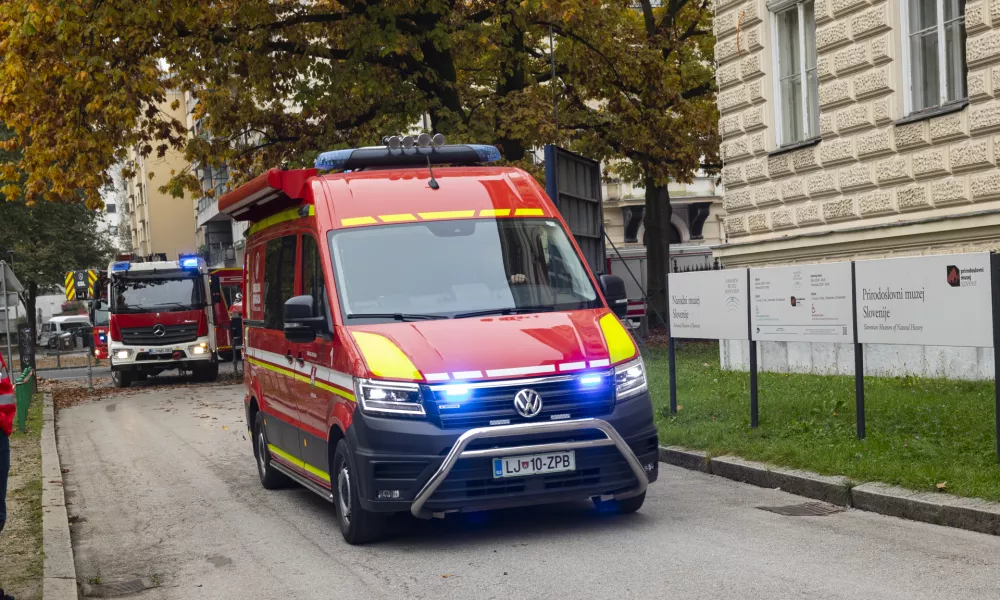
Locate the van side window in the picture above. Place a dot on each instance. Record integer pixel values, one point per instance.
(279, 279)
(312, 273)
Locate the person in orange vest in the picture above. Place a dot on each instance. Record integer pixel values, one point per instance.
(7, 409)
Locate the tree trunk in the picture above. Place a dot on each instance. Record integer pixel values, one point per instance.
(512, 79)
(657, 221)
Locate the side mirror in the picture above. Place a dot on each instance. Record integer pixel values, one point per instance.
(301, 325)
(613, 289)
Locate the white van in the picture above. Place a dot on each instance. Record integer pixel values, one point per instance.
(59, 325)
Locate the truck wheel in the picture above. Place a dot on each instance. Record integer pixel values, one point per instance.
(620, 507)
(357, 525)
(121, 378)
(270, 478)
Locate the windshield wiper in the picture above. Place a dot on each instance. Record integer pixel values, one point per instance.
(396, 316)
(174, 304)
(509, 310)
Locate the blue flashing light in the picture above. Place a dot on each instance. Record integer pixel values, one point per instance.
(456, 390)
(121, 266)
(334, 159)
(103, 338)
(189, 263)
(591, 380)
(486, 153)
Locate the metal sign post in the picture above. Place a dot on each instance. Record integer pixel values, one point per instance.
(90, 369)
(752, 354)
(6, 311)
(859, 363)
(995, 287)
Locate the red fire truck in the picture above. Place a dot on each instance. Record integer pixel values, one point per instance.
(227, 296)
(161, 318)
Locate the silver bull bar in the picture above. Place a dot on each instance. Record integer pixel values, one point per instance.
(458, 451)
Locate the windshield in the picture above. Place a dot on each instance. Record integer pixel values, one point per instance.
(160, 295)
(449, 268)
(100, 317)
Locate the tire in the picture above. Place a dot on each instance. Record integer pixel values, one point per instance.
(625, 506)
(141, 375)
(121, 378)
(207, 373)
(357, 525)
(270, 478)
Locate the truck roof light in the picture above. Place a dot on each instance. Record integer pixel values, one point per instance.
(189, 263)
(408, 155)
(120, 266)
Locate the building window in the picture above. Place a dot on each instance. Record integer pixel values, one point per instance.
(110, 208)
(113, 230)
(934, 52)
(797, 109)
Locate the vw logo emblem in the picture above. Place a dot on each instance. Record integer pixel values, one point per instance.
(159, 330)
(528, 403)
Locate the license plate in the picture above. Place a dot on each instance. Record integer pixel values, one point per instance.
(534, 464)
(161, 352)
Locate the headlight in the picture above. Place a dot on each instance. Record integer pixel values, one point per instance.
(123, 354)
(389, 398)
(630, 379)
(196, 349)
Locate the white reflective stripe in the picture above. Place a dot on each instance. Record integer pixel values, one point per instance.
(6, 399)
(539, 370)
(436, 376)
(604, 362)
(573, 366)
(323, 373)
(467, 374)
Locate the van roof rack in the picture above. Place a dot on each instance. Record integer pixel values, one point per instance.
(384, 156)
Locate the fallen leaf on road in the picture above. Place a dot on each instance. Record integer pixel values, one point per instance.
(225, 428)
(942, 485)
(447, 575)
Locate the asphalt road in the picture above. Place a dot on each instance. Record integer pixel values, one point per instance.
(162, 485)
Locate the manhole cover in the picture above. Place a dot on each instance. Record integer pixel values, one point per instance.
(809, 509)
(121, 588)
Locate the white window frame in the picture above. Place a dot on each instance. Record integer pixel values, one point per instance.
(904, 28)
(775, 8)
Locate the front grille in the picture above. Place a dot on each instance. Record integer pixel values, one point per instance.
(173, 334)
(563, 397)
(599, 471)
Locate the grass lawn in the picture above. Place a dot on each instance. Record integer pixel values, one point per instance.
(21, 541)
(921, 432)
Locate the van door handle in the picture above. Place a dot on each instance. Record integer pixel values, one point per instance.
(288, 357)
(302, 362)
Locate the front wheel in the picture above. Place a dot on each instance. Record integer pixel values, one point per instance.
(357, 525)
(207, 373)
(270, 478)
(121, 378)
(624, 506)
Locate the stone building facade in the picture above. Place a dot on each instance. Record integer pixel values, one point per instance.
(858, 129)
(882, 175)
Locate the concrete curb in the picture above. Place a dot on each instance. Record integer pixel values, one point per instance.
(59, 570)
(940, 509)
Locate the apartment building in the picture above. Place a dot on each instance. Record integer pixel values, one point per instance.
(160, 222)
(857, 128)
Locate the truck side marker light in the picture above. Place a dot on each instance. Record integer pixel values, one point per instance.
(400, 218)
(620, 345)
(358, 221)
(384, 358)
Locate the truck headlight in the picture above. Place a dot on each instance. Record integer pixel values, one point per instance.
(388, 398)
(123, 354)
(630, 379)
(196, 349)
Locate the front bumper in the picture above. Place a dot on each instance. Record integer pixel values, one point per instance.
(429, 471)
(161, 357)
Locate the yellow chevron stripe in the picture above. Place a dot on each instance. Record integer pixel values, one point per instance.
(282, 217)
(299, 463)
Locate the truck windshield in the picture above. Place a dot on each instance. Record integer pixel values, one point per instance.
(101, 317)
(456, 269)
(159, 294)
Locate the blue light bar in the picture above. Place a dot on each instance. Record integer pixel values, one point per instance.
(382, 156)
(456, 390)
(189, 263)
(120, 266)
(591, 380)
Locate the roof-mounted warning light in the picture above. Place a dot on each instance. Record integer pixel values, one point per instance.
(408, 152)
(120, 266)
